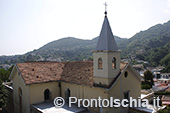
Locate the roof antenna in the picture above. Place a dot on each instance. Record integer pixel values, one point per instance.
(105, 9)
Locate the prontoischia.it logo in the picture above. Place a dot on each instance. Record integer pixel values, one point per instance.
(111, 102)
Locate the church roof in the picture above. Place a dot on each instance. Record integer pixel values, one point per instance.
(78, 72)
(106, 41)
(73, 72)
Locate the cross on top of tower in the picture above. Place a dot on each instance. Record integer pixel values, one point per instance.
(105, 9)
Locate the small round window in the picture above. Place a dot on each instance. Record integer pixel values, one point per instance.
(126, 74)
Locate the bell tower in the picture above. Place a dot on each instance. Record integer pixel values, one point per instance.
(106, 57)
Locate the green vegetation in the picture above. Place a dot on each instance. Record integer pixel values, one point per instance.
(162, 93)
(145, 86)
(148, 80)
(152, 45)
(167, 110)
(65, 49)
(4, 75)
(3, 95)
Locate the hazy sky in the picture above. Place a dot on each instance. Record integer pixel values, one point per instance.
(29, 24)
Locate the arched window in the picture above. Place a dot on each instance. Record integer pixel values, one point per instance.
(114, 63)
(19, 92)
(47, 94)
(67, 94)
(100, 63)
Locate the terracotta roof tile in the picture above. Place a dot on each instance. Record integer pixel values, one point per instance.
(78, 72)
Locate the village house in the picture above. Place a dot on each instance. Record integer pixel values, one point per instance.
(35, 83)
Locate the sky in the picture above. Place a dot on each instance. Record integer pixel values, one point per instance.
(26, 25)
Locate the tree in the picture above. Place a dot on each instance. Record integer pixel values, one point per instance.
(167, 69)
(3, 95)
(4, 74)
(148, 77)
(140, 56)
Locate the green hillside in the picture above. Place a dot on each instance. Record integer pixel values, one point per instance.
(70, 49)
(65, 49)
(152, 45)
(154, 37)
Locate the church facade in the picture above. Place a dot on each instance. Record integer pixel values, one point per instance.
(106, 76)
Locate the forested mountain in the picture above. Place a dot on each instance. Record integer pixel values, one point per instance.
(156, 36)
(65, 49)
(152, 45)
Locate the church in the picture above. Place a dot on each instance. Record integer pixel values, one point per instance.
(39, 83)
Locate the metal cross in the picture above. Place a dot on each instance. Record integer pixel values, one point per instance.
(105, 6)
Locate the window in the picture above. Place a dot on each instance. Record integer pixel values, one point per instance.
(47, 94)
(114, 63)
(126, 96)
(19, 91)
(126, 74)
(100, 63)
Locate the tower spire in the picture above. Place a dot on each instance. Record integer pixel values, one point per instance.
(106, 41)
(105, 9)
(106, 58)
